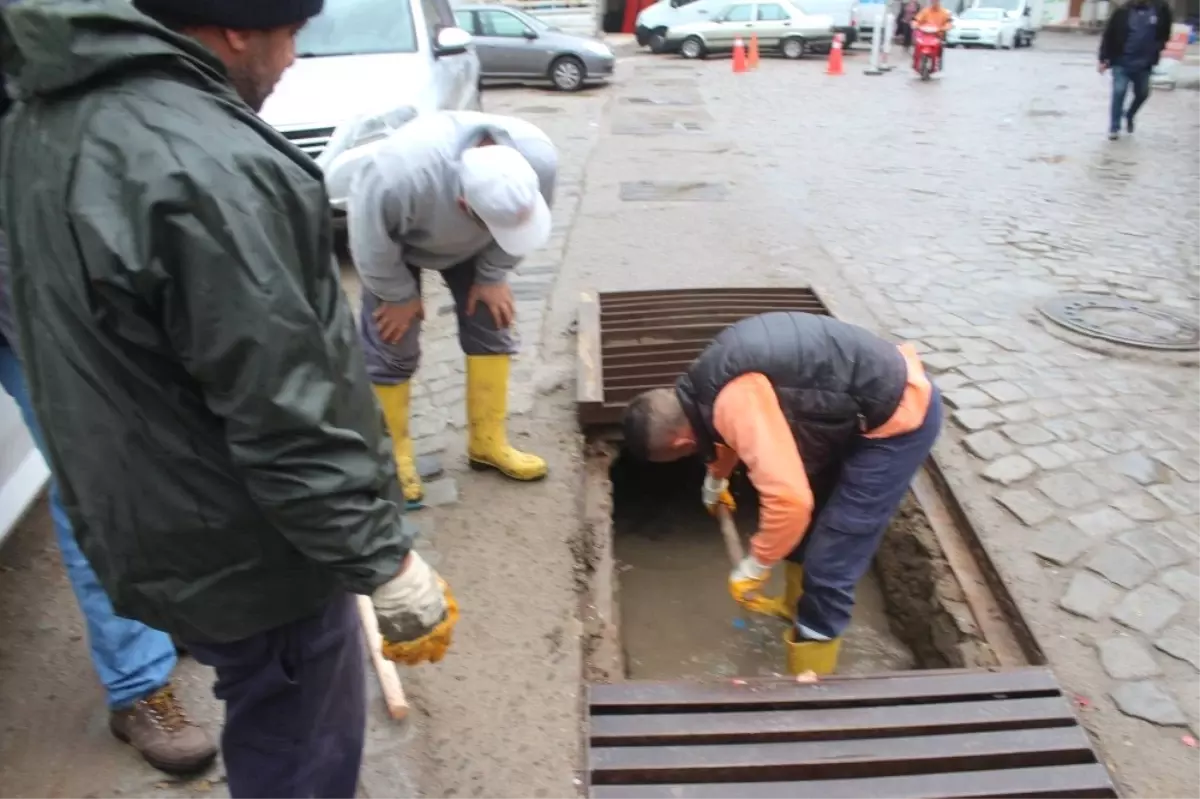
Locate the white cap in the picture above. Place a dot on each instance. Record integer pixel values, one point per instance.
(502, 189)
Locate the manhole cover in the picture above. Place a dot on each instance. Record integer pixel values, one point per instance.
(657, 101)
(1123, 322)
(673, 191)
(645, 128)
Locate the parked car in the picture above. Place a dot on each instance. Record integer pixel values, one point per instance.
(847, 18)
(1026, 13)
(983, 27)
(779, 25)
(651, 24)
(517, 47)
(363, 56)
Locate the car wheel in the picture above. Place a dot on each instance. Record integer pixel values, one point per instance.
(567, 73)
(792, 48)
(692, 47)
(658, 41)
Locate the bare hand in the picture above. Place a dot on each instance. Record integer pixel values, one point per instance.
(499, 300)
(393, 319)
(1102, 67)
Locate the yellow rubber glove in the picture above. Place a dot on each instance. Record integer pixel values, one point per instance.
(416, 613)
(716, 492)
(746, 582)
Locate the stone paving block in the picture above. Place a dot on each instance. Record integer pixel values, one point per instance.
(1089, 596)
(1003, 391)
(441, 492)
(987, 444)
(941, 361)
(1182, 642)
(1186, 467)
(1103, 522)
(1027, 435)
(1100, 420)
(1008, 470)
(1018, 413)
(974, 419)
(1067, 428)
(978, 373)
(1114, 441)
(1045, 457)
(1069, 490)
(1180, 500)
(1067, 452)
(1147, 700)
(1120, 566)
(1147, 609)
(1125, 658)
(1137, 466)
(1031, 509)
(1060, 544)
(950, 381)
(1153, 546)
(960, 398)
(1183, 582)
(1140, 507)
(1049, 408)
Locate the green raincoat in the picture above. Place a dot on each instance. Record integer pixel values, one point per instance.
(190, 354)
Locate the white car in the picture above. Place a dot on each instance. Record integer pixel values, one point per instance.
(983, 27)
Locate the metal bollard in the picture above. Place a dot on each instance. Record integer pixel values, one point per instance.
(889, 34)
(876, 45)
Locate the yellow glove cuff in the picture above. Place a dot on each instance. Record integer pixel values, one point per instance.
(433, 645)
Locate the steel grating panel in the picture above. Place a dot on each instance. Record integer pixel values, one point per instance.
(948, 733)
(631, 341)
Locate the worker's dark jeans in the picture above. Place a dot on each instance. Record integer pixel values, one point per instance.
(841, 543)
(1122, 79)
(295, 705)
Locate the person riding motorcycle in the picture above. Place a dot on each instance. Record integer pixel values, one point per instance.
(935, 16)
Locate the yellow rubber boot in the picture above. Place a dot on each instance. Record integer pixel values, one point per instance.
(819, 657)
(395, 401)
(487, 410)
(784, 607)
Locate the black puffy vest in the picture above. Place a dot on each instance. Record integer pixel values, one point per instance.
(833, 380)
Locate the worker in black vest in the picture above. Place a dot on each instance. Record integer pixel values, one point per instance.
(832, 423)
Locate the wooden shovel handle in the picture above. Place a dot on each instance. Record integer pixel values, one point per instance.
(389, 679)
(733, 542)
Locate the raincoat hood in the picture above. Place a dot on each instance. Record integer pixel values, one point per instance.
(49, 47)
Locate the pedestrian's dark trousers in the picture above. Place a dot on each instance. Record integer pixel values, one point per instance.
(842, 540)
(295, 705)
(1122, 79)
(389, 364)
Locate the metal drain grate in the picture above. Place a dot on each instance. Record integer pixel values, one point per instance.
(951, 733)
(632, 341)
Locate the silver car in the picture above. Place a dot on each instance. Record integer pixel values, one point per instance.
(779, 25)
(517, 47)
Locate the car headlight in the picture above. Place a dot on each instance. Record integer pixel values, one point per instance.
(600, 49)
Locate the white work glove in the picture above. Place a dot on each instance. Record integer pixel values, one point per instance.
(714, 491)
(416, 613)
(746, 582)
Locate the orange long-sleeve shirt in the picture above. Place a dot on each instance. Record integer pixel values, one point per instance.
(747, 416)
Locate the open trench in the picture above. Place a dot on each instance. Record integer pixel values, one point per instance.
(655, 572)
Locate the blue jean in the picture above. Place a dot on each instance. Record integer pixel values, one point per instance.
(841, 543)
(1122, 78)
(295, 705)
(131, 659)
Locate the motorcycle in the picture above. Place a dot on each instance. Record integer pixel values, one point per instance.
(927, 51)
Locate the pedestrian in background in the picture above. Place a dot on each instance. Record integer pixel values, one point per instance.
(1133, 39)
(904, 20)
(193, 365)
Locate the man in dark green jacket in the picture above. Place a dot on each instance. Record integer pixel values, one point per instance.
(193, 365)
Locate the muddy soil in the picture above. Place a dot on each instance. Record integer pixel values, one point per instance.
(677, 620)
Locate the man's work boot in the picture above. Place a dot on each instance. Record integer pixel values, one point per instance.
(784, 607)
(487, 409)
(819, 657)
(159, 729)
(396, 401)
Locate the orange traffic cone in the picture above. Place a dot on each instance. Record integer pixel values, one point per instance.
(752, 54)
(739, 55)
(835, 56)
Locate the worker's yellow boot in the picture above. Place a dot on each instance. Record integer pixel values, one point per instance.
(395, 401)
(784, 607)
(487, 409)
(819, 657)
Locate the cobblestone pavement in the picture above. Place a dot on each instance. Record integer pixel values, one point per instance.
(946, 213)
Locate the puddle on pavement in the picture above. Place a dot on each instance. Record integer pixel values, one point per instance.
(677, 619)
